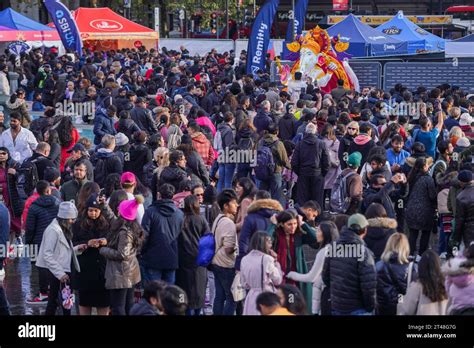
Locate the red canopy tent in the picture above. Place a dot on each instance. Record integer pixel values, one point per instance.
(102, 28)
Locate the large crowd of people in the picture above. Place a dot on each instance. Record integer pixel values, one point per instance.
(344, 203)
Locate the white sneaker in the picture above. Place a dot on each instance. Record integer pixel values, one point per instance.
(2, 274)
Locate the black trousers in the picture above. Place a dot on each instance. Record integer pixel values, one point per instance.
(310, 188)
(424, 241)
(121, 301)
(54, 296)
(43, 275)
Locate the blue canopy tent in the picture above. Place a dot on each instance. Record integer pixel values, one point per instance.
(15, 20)
(366, 41)
(462, 48)
(401, 28)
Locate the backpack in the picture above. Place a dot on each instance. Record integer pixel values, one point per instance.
(217, 143)
(174, 139)
(297, 138)
(340, 200)
(100, 171)
(265, 166)
(27, 178)
(409, 143)
(246, 144)
(207, 247)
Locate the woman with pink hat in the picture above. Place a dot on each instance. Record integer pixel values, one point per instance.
(122, 271)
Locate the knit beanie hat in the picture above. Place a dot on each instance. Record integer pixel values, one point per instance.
(465, 176)
(354, 159)
(67, 210)
(128, 209)
(92, 201)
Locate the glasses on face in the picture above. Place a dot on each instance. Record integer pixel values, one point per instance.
(350, 128)
(199, 194)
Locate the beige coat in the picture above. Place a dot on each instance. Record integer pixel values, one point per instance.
(416, 303)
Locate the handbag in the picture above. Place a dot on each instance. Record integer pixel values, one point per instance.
(237, 289)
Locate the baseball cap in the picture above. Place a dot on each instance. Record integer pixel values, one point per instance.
(359, 220)
(128, 177)
(77, 147)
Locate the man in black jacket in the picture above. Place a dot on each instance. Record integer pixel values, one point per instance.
(464, 216)
(40, 158)
(162, 223)
(143, 118)
(310, 162)
(349, 271)
(40, 214)
(106, 161)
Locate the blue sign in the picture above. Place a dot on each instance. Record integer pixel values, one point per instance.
(301, 7)
(18, 47)
(260, 37)
(65, 25)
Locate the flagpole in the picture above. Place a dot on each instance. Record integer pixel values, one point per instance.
(294, 16)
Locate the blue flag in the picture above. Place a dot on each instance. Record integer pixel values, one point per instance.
(260, 37)
(300, 12)
(65, 25)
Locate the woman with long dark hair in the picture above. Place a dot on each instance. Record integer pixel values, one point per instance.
(51, 136)
(260, 271)
(421, 205)
(191, 278)
(326, 233)
(246, 138)
(68, 137)
(427, 295)
(84, 193)
(91, 228)
(289, 235)
(246, 190)
(112, 183)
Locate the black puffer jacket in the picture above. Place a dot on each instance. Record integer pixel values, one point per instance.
(378, 232)
(287, 127)
(128, 127)
(465, 215)
(142, 117)
(311, 157)
(352, 281)
(195, 166)
(391, 281)
(173, 175)
(40, 214)
(17, 202)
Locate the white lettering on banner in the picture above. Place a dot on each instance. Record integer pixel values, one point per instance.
(388, 47)
(37, 331)
(260, 43)
(375, 38)
(106, 25)
(64, 26)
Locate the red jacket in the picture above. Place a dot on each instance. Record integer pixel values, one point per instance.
(203, 147)
(64, 150)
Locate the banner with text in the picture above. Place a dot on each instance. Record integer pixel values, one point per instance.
(301, 7)
(65, 25)
(260, 36)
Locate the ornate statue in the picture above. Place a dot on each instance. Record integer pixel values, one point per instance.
(315, 58)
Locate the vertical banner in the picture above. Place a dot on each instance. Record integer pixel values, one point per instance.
(65, 25)
(299, 14)
(260, 36)
(340, 5)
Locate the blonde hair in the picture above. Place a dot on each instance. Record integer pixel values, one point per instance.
(397, 243)
(162, 156)
(456, 132)
(353, 124)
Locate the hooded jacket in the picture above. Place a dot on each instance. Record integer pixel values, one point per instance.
(287, 127)
(362, 143)
(352, 281)
(279, 152)
(142, 117)
(173, 175)
(203, 147)
(311, 157)
(103, 124)
(227, 135)
(459, 283)
(40, 214)
(162, 223)
(388, 288)
(258, 219)
(378, 232)
(111, 164)
(261, 121)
